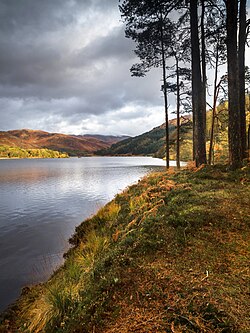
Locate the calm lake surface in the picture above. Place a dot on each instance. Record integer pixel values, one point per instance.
(41, 203)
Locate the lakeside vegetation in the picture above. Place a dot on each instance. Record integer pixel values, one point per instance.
(170, 254)
(16, 152)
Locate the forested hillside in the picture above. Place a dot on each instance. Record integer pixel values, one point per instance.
(148, 143)
(153, 143)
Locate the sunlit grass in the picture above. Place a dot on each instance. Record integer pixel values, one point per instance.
(90, 251)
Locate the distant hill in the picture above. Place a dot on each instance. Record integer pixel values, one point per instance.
(149, 143)
(73, 145)
(110, 139)
(152, 142)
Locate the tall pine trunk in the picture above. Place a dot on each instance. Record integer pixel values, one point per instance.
(164, 75)
(241, 55)
(233, 86)
(178, 113)
(203, 62)
(199, 137)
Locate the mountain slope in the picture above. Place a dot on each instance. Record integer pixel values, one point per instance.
(110, 139)
(150, 143)
(74, 145)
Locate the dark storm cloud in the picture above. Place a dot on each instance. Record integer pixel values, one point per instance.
(50, 69)
(68, 61)
(31, 16)
(29, 65)
(45, 14)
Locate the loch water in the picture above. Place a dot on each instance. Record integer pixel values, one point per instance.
(41, 203)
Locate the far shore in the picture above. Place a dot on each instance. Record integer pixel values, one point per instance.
(30, 158)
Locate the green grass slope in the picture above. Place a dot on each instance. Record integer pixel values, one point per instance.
(170, 254)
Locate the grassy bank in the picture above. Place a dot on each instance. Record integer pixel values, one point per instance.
(170, 254)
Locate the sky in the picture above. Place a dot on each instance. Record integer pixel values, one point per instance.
(64, 67)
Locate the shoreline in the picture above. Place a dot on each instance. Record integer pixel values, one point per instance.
(30, 158)
(127, 247)
(19, 175)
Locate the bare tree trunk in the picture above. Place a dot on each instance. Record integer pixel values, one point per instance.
(165, 94)
(233, 86)
(214, 106)
(197, 89)
(248, 141)
(178, 114)
(241, 55)
(203, 62)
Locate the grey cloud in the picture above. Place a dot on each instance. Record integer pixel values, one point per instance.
(114, 45)
(38, 15)
(50, 70)
(28, 65)
(55, 71)
(45, 15)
